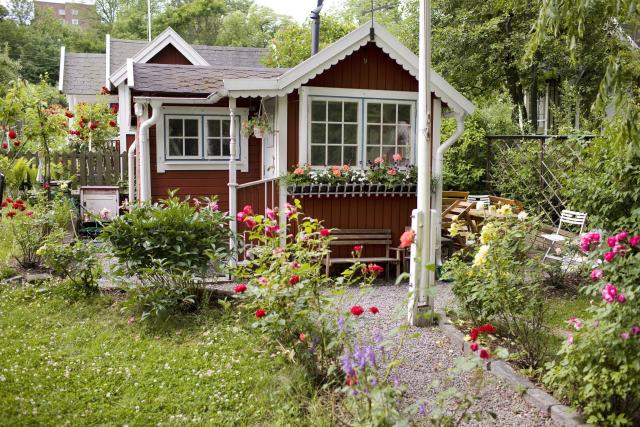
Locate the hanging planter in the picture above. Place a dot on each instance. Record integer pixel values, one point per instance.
(259, 125)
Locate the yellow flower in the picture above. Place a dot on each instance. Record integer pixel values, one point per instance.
(481, 256)
(454, 229)
(505, 210)
(489, 233)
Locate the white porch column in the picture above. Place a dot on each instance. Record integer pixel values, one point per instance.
(281, 164)
(233, 183)
(420, 302)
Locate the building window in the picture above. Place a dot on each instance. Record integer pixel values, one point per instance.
(74, 12)
(388, 129)
(183, 137)
(74, 22)
(217, 139)
(334, 132)
(61, 12)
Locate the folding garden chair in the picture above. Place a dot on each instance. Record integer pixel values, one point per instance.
(479, 198)
(569, 218)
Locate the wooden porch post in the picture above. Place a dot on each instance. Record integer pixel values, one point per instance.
(233, 183)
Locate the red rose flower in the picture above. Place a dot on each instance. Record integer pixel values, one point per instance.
(474, 346)
(22, 207)
(294, 280)
(474, 333)
(81, 124)
(29, 213)
(16, 205)
(484, 354)
(9, 200)
(20, 202)
(45, 185)
(488, 329)
(248, 210)
(325, 232)
(3, 205)
(93, 125)
(260, 313)
(12, 134)
(352, 380)
(357, 248)
(16, 143)
(11, 214)
(112, 123)
(240, 288)
(5, 145)
(375, 268)
(374, 309)
(69, 114)
(357, 310)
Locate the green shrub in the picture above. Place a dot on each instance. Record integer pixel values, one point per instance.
(184, 236)
(504, 285)
(78, 262)
(599, 369)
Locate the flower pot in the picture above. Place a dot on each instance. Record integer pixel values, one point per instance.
(258, 132)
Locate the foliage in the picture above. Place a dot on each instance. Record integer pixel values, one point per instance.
(262, 122)
(83, 362)
(183, 236)
(503, 285)
(598, 370)
(94, 126)
(77, 262)
(9, 68)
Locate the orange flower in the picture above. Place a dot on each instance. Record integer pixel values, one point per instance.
(407, 238)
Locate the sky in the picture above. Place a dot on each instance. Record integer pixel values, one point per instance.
(298, 9)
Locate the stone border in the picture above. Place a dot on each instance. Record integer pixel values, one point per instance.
(539, 398)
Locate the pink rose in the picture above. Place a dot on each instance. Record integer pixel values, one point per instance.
(397, 157)
(609, 293)
(392, 172)
(240, 216)
(611, 241)
(298, 171)
(378, 160)
(596, 274)
(346, 168)
(621, 236)
(609, 256)
(621, 299)
(270, 214)
(624, 335)
(634, 241)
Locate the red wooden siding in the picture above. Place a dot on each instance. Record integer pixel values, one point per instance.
(169, 55)
(293, 118)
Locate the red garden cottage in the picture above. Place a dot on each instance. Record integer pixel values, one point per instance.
(349, 104)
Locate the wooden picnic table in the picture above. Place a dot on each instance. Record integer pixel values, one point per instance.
(478, 216)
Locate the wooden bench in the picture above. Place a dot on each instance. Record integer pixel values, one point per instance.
(366, 238)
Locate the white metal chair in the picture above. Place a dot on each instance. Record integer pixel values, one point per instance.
(567, 217)
(479, 198)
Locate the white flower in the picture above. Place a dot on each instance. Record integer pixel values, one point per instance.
(523, 215)
(481, 256)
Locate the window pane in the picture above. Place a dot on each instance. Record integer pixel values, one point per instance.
(335, 111)
(372, 153)
(373, 113)
(350, 154)
(389, 113)
(317, 155)
(213, 128)
(318, 111)
(335, 134)
(175, 146)
(388, 152)
(225, 147)
(190, 146)
(404, 135)
(388, 135)
(334, 155)
(373, 135)
(226, 127)
(175, 127)
(213, 147)
(404, 113)
(351, 112)
(350, 134)
(318, 133)
(190, 127)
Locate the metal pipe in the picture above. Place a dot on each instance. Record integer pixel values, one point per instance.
(145, 165)
(315, 28)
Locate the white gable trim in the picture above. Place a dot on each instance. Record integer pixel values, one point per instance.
(328, 57)
(167, 37)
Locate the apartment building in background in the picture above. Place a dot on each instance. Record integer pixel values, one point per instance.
(76, 13)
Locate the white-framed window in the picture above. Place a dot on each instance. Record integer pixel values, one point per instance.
(353, 126)
(74, 12)
(389, 126)
(74, 22)
(183, 137)
(198, 138)
(61, 12)
(334, 131)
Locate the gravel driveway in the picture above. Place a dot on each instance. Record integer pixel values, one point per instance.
(430, 355)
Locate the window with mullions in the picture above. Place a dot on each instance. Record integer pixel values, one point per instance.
(388, 129)
(217, 138)
(334, 132)
(183, 137)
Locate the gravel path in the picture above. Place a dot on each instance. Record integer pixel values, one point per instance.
(430, 355)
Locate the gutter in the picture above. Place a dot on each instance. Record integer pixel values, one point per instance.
(437, 172)
(143, 137)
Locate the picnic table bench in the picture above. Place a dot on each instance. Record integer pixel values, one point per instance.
(366, 238)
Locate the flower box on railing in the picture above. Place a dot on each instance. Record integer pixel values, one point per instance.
(351, 190)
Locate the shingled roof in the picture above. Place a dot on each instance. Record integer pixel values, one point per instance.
(193, 79)
(84, 73)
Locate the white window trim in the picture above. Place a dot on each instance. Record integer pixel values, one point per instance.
(61, 12)
(359, 120)
(305, 92)
(163, 164)
(75, 22)
(198, 118)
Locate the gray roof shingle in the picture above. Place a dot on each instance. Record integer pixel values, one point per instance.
(84, 73)
(192, 79)
(123, 49)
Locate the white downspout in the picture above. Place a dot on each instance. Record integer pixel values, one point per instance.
(437, 172)
(233, 182)
(145, 165)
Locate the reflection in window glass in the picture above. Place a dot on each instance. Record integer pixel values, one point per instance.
(334, 133)
(388, 130)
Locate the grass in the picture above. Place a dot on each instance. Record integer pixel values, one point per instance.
(562, 307)
(82, 363)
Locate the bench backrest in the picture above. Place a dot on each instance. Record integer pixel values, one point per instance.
(345, 236)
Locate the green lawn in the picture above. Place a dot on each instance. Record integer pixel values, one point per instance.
(562, 307)
(82, 364)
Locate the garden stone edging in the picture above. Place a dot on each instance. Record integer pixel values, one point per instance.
(539, 398)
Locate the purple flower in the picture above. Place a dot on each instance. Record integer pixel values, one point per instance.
(396, 381)
(635, 330)
(340, 322)
(370, 354)
(625, 335)
(347, 365)
(360, 357)
(422, 409)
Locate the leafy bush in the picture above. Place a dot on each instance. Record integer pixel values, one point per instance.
(78, 262)
(185, 237)
(504, 285)
(599, 369)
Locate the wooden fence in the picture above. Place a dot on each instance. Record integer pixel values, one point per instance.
(93, 168)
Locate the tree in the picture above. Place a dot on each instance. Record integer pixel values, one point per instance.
(108, 11)
(254, 27)
(9, 69)
(197, 21)
(21, 11)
